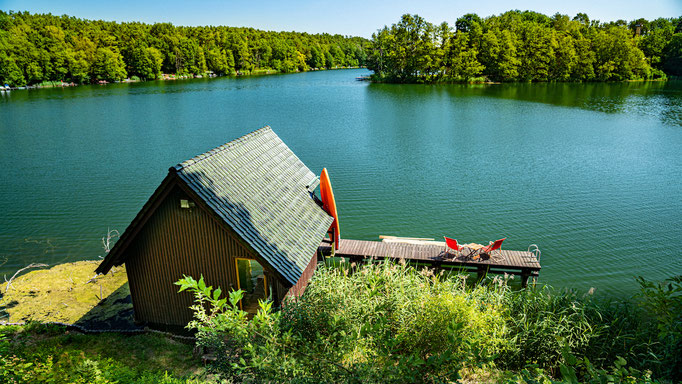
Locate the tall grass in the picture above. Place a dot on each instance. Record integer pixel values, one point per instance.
(389, 322)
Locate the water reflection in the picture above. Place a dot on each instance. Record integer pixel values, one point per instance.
(647, 98)
(590, 172)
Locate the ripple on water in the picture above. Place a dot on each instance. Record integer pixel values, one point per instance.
(590, 172)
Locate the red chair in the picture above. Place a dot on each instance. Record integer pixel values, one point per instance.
(496, 246)
(452, 244)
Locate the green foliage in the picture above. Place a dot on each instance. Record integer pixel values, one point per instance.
(108, 65)
(10, 73)
(4, 345)
(397, 326)
(37, 47)
(543, 322)
(73, 368)
(463, 59)
(48, 354)
(575, 371)
(245, 349)
(663, 300)
(673, 56)
(524, 46)
(392, 323)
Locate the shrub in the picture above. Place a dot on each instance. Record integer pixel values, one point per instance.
(542, 322)
(389, 322)
(383, 323)
(663, 301)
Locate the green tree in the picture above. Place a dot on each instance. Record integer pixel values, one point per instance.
(471, 24)
(242, 55)
(463, 58)
(673, 56)
(54, 53)
(584, 66)
(316, 59)
(537, 52)
(565, 58)
(10, 72)
(79, 66)
(509, 63)
(328, 60)
(499, 55)
(190, 57)
(108, 65)
(144, 62)
(219, 61)
(617, 57)
(654, 42)
(407, 51)
(339, 56)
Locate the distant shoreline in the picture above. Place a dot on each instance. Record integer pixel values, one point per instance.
(374, 80)
(168, 77)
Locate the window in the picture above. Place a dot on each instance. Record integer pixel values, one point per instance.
(251, 279)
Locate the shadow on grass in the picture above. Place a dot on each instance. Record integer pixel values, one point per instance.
(114, 312)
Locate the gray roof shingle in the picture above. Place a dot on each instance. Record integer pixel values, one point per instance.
(262, 190)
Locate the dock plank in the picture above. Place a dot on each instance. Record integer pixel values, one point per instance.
(507, 261)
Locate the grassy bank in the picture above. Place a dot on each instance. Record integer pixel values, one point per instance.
(50, 354)
(381, 323)
(69, 293)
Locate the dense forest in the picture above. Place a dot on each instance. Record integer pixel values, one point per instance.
(35, 48)
(526, 46)
(513, 46)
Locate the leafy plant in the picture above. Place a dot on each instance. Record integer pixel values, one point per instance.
(389, 322)
(663, 300)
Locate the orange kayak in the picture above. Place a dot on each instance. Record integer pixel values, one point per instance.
(329, 205)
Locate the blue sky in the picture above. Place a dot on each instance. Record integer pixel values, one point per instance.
(346, 17)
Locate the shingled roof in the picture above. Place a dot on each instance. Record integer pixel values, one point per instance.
(262, 190)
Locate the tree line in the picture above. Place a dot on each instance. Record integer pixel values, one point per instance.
(41, 47)
(526, 46)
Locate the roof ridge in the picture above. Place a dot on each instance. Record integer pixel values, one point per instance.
(218, 149)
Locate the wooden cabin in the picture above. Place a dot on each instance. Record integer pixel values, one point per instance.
(243, 215)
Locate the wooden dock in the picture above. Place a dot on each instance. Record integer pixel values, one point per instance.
(521, 263)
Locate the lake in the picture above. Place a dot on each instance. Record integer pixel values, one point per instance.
(592, 173)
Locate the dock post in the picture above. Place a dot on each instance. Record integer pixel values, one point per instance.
(355, 262)
(525, 274)
(482, 272)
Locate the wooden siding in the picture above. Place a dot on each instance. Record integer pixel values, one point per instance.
(302, 283)
(173, 242)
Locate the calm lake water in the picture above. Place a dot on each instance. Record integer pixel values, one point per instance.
(592, 173)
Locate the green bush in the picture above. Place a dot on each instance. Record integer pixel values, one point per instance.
(542, 322)
(384, 323)
(663, 302)
(389, 322)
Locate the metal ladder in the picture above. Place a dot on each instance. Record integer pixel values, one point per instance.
(534, 250)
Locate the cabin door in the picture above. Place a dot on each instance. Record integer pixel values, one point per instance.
(251, 279)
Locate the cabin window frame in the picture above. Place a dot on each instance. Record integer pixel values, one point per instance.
(265, 278)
